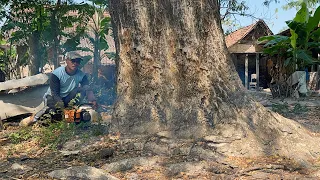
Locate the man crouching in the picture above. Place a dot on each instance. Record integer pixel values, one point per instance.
(65, 83)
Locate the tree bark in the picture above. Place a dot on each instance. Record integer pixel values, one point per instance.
(36, 48)
(35, 60)
(55, 29)
(96, 56)
(175, 75)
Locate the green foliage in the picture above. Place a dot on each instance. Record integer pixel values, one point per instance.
(296, 49)
(285, 109)
(296, 4)
(231, 6)
(75, 100)
(41, 25)
(85, 60)
(96, 34)
(100, 3)
(111, 55)
(56, 134)
(280, 108)
(3, 60)
(298, 108)
(231, 9)
(8, 60)
(274, 40)
(23, 134)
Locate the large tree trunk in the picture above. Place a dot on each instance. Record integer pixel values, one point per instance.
(55, 28)
(175, 75)
(35, 59)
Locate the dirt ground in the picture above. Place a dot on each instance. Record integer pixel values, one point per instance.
(36, 161)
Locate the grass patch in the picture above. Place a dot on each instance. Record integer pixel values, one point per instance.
(49, 132)
(21, 135)
(298, 108)
(280, 108)
(285, 108)
(56, 134)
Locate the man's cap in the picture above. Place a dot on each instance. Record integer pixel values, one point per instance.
(73, 55)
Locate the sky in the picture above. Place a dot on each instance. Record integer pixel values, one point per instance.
(275, 20)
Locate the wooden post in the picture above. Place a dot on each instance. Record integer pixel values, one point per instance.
(246, 71)
(257, 70)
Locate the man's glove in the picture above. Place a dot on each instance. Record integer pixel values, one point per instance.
(94, 104)
(59, 105)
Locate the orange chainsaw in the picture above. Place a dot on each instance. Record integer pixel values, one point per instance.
(76, 115)
(82, 113)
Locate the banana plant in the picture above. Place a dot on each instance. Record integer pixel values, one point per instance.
(96, 34)
(61, 20)
(296, 50)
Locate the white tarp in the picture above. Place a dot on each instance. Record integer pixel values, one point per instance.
(299, 77)
(27, 101)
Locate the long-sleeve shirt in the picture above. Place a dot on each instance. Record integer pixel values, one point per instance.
(61, 83)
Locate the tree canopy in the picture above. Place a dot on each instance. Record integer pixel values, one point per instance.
(46, 27)
(231, 10)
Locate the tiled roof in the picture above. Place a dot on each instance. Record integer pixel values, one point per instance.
(285, 32)
(239, 34)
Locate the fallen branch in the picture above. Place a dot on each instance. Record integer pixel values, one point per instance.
(27, 81)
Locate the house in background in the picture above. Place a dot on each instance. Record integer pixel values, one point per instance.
(246, 53)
